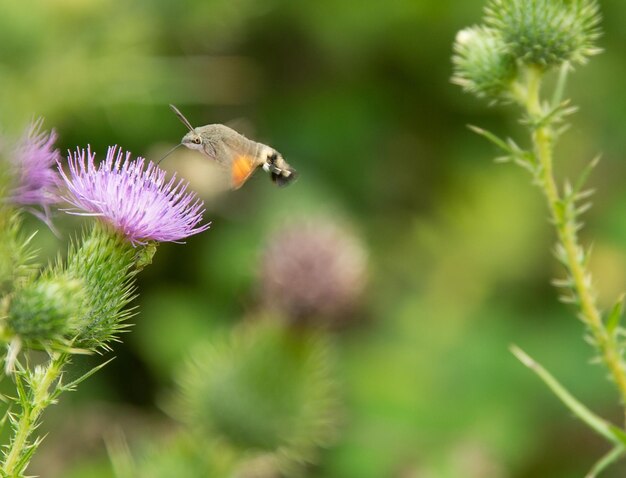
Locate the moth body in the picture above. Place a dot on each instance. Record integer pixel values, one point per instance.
(240, 155)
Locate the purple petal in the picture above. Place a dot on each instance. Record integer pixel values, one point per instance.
(33, 160)
(132, 196)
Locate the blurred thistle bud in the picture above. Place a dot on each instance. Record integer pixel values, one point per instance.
(48, 308)
(269, 391)
(261, 466)
(547, 33)
(482, 64)
(313, 270)
(179, 456)
(16, 254)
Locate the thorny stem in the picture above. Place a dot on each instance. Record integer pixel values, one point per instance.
(566, 229)
(28, 419)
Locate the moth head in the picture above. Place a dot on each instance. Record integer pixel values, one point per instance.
(192, 140)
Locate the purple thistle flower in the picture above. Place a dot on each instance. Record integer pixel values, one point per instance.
(133, 197)
(33, 159)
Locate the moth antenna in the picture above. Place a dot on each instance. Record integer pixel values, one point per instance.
(181, 117)
(168, 153)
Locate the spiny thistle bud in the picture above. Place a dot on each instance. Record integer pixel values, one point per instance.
(48, 308)
(313, 270)
(546, 33)
(268, 391)
(105, 263)
(482, 64)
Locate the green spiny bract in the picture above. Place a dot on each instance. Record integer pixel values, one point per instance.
(49, 308)
(546, 33)
(16, 254)
(105, 263)
(269, 391)
(82, 303)
(482, 64)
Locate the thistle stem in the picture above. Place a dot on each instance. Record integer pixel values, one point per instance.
(28, 418)
(566, 229)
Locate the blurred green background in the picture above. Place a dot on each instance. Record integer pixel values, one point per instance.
(357, 97)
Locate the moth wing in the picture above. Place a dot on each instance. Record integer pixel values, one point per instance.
(243, 166)
(243, 126)
(241, 157)
(210, 150)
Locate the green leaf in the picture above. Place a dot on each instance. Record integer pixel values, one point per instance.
(72, 385)
(619, 434)
(5, 417)
(582, 179)
(559, 90)
(595, 422)
(27, 455)
(607, 460)
(614, 317)
(23, 396)
(493, 138)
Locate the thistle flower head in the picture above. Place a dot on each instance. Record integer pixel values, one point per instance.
(547, 32)
(36, 180)
(135, 198)
(482, 64)
(314, 269)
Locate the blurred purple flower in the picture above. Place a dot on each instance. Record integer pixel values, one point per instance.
(133, 197)
(33, 159)
(314, 270)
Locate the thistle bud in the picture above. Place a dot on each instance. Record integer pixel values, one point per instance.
(105, 262)
(269, 391)
(48, 308)
(482, 64)
(546, 33)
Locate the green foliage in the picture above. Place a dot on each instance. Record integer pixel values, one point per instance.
(546, 32)
(35, 388)
(80, 303)
(353, 95)
(100, 52)
(182, 455)
(540, 34)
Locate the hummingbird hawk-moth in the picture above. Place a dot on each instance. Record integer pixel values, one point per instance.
(238, 154)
